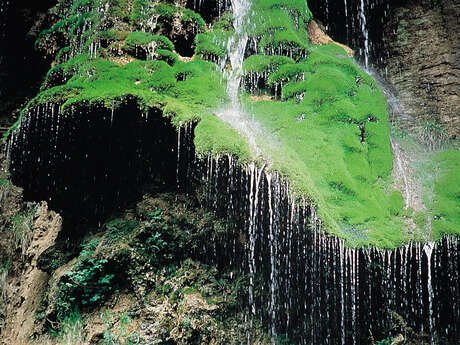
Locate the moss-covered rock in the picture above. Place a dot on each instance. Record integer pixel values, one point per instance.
(329, 116)
(446, 202)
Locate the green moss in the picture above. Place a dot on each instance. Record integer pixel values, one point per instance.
(261, 63)
(335, 145)
(212, 44)
(85, 23)
(287, 41)
(446, 202)
(142, 39)
(331, 122)
(225, 22)
(183, 91)
(396, 203)
(293, 7)
(166, 12)
(167, 56)
(212, 136)
(140, 13)
(288, 72)
(190, 17)
(280, 27)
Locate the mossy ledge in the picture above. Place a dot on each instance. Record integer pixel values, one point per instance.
(330, 117)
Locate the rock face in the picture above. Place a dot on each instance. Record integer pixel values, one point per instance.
(24, 293)
(414, 44)
(422, 40)
(317, 36)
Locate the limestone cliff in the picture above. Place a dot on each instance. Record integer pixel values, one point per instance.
(422, 39)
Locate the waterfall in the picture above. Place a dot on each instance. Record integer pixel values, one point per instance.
(4, 12)
(362, 15)
(49, 142)
(236, 48)
(346, 18)
(4, 15)
(233, 113)
(310, 286)
(302, 282)
(428, 249)
(358, 24)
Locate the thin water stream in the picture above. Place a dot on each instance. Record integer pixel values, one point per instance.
(233, 112)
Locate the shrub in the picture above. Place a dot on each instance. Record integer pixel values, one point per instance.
(87, 284)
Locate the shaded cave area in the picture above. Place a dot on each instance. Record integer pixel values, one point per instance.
(20, 63)
(209, 10)
(93, 163)
(342, 21)
(183, 36)
(184, 44)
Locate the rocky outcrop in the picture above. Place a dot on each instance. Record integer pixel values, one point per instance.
(422, 39)
(316, 35)
(24, 292)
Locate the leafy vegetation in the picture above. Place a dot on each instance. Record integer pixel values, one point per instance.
(432, 134)
(114, 335)
(21, 229)
(87, 284)
(71, 330)
(151, 249)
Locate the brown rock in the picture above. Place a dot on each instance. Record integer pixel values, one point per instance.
(422, 41)
(317, 36)
(25, 292)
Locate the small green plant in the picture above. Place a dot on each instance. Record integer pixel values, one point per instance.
(282, 339)
(118, 228)
(152, 246)
(120, 335)
(174, 296)
(5, 183)
(21, 229)
(396, 130)
(71, 330)
(386, 341)
(86, 284)
(156, 216)
(433, 134)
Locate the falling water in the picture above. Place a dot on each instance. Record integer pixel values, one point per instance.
(346, 18)
(236, 48)
(233, 113)
(428, 248)
(222, 5)
(4, 12)
(362, 15)
(357, 23)
(4, 15)
(311, 286)
(49, 142)
(303, 283)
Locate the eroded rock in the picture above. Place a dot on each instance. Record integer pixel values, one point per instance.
(25, 292)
